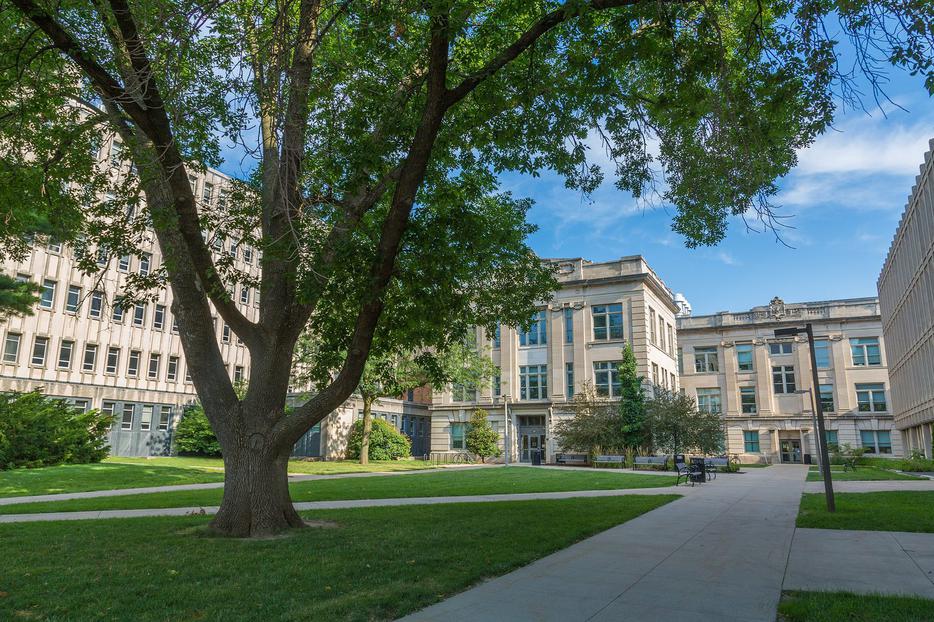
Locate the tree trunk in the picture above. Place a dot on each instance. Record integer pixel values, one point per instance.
(256, 499)
(367, 428)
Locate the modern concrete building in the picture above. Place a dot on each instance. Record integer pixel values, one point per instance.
(83, 346)
(576, 338)
(906, 296)
(733, 364)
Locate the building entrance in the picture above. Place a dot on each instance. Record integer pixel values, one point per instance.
(791, 450)
(531, 437)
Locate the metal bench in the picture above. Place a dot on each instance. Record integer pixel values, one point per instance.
(620, 460)
(650, 462)
(712, 464)
(689, 473)
(571, 459)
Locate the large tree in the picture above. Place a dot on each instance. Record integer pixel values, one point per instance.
(377, 129)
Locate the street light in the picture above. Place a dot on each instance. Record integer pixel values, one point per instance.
(821, 434)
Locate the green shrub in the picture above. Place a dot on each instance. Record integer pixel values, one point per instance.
(482, 440)
(386, 443)
(194, 435)
(36, 430)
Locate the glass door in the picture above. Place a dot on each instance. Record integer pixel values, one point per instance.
(790, 451)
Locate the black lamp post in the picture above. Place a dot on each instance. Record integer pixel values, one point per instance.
(821, 435)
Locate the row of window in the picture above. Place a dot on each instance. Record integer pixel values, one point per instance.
(658, 338)
(92, 352)
(607, 326)
(873, 441)
(147, 414)
(865, 352)
(870, 397)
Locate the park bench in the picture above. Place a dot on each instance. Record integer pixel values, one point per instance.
(713, 464)
(620, 460)
(689, 473)
(649, 462)
(571, 459)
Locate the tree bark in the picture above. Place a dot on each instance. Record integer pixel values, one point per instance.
(367, 428)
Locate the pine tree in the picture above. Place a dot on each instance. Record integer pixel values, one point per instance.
(482, 439)
(632, 403)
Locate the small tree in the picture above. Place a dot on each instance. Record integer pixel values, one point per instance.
(676, 426)
(482, 439)
(385, 442)
(632, 403)
(194, 434)
(596, 424)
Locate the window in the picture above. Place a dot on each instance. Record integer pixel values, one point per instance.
(568, 325)
(238, 373)
(537, 335)
(680, 361)
(218, 244)
(652, 335)
(187, 375)
(822, 353)
(126, 422)
(458, 435)
(171, 372)
(247, 254)
(222, 199)
(158, 317)
(832, 438)
(90, 357)
(73, 299)
(165, 416)
(145, 262)
(747, 400)
(780, 347)
(132, 366)
(145, 420)
(39, 348)
(705, 359)
(108, 409)
(244, 295)
(866, 351)
(97, 304)
(207, 193)
(102, 257)
(118, 312)
(113, 360)
(606, 378)
(876, 442)
(654, 377)
(708, 401)
(607, 322)
(54, 246)
(154, 361)
(744, 360)
(661, 334)
(569, 379)
(674, 382)
(463, 392)
(139, 314)
(783, 378)
(174, 325)
(234, 249)
(671, 341)
(871, 397)
(11, 347)
(65, 350)
(116, 153)
(751, 442)
(124, 264)
(47, 294)
(497, 385)
(225, 333)
(533, 382)
(826, 397)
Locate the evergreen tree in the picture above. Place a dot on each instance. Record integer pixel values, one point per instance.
(632, 403)
(482, 439)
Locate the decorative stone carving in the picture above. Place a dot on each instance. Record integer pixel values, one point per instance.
(777, 308)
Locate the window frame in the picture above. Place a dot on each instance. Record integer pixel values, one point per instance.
(860, 351)
(133, 362)
(14, 359)
(602, 316)
(708, 394)
(538, 373)
(39, 339)
(92, 349)
(744, 404)
(702, 363)
(537, 334)
(872, 388)
(744, 349)
(73, 299)
(613, 384)
(751, 444)
(783, 372)
(63, 346)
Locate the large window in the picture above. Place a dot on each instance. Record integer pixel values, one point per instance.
(533, 382)
(458, 435)
(568, 325)
(90, 357)
(47, 294)
(65, 351)
(606, 378)
(783, 378)
(780, 347)
(11, 347)
(747, 400)
(751, 442)
(569, 379)
(537, 335)
(39, 349)
(705, 359)
(826, 398)
(866, 351)
(876, 442)
(832, 439)
(744, 360)
(822, 353)
(607, 322)
(871, 397)
(708, 400)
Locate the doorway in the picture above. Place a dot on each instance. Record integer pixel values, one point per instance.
(531, 437)
(790, 449)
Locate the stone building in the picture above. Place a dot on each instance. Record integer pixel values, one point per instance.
(732, 363)
(906, 295)
(575, 338)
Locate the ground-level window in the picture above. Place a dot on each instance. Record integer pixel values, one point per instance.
(747, 399)
(876, 442)
(871, 397)
(165, 415)
(708, 400)
(751, 442)
(458, 434)
(832, 439)
(126, 422)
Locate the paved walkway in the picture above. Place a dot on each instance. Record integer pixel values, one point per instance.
(888, 562)
(872, 486)
(718, 554)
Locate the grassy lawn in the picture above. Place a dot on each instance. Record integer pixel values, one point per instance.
(375, 564)
(845, 607)
(103, 476)
(862, 473)
(443, 483)
(873, 511)
(304, 467)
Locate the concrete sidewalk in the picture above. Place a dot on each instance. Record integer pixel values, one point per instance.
(886, 562)
(352, 503)
(718, 554)
(873, 486)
